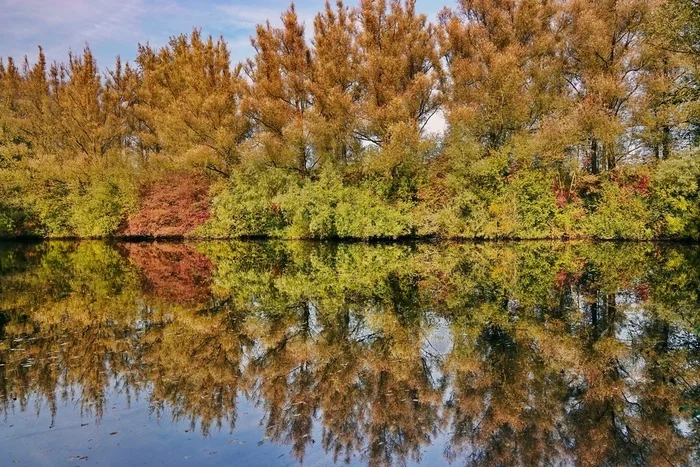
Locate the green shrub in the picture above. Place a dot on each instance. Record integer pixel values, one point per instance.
(309, 208)
(622, 211)
(326, 208)
(244, 207)
(7, 225)
(536, 203)
(89, 201)
(51, 202)
(102, 206)
(675, 192)
(472, 201)
(363, 215)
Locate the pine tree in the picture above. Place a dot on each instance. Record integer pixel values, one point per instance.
(603, 70)
(399, 69)
(675, 36)
(505, 65)
(118, 101)
(188, 103)
(280, 98)
(13, 144)
(335, 85)
(79, 122)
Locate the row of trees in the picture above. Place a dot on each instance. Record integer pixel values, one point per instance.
(550, 96)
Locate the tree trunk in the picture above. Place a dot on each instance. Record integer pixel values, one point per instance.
(609, 155)
(594, 156)
(301, 160)
(665, 142)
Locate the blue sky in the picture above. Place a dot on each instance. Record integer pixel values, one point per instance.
(115, 27)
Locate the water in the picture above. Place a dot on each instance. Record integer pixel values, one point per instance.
(280, 353)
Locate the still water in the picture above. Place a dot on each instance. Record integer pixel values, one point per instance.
(284, 353)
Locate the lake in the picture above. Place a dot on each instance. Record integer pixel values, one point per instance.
(281, 353)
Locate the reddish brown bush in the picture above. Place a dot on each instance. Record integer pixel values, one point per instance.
(171, 207)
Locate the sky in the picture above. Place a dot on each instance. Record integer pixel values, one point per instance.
(115, 27)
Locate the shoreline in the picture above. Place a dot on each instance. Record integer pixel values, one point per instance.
(339, 240)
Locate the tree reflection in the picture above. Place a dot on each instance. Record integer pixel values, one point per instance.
(551, 353)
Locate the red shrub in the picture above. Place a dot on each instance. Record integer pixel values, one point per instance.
(639, 183)
(171, 207)
(562, 196)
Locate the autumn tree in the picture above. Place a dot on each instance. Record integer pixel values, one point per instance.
(279, 98)
(76, 94)
(118, 101)
(399, 69)
(189, 103)
(674, 31)
(505, 65)
(335, 85)
(399, 77)
(603, 70)
(12, 144)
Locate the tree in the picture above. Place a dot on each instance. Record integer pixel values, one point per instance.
(335, 85)
(399, 69)
(80, 122)
(188, 104)
(118, 101)
(603, 70)
(279, 97)
(505, 63)
(13, 146)
(675, 35)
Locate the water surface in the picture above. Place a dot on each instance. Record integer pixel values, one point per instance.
(280, 353)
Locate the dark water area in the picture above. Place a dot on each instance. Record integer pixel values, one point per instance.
(287, 353)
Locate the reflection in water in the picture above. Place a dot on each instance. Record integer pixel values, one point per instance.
(527, 353)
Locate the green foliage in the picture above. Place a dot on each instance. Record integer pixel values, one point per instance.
(326, 208)
(620, 212)
(244, 206)
(676, 197)
(52, 206)
(13, 218)
(68, 205)
(102, 206)
(471, 203)
(309, 209)
(259, 205)
(7, 225)
(396, 170)
(536, 205)
(362, 214)
(492, 195)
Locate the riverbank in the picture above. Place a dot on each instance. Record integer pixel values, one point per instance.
(626, 204)
(522, 133)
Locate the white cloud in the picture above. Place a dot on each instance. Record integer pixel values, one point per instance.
(66, 24)
(249, 16)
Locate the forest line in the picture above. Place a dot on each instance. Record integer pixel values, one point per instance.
(564, 118)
